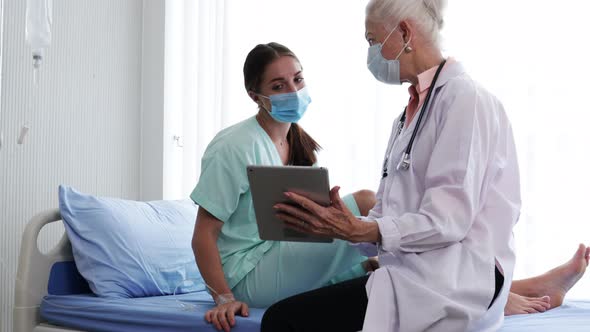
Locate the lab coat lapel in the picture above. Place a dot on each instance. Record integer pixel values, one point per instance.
(450, 71)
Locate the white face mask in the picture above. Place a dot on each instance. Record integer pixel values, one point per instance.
(386, 71)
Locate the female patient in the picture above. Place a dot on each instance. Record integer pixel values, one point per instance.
(246, 271)
(241, 269)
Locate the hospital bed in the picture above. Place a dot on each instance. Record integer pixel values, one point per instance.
(51, 296)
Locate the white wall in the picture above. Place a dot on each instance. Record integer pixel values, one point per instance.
(84, 117)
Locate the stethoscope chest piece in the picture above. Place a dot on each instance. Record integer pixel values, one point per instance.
(404, 163)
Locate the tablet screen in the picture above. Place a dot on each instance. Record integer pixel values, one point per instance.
(268, 185)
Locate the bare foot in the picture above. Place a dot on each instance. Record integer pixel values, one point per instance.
(558, 281)
(518, 304)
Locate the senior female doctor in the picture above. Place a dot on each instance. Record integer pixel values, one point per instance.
(447, 202)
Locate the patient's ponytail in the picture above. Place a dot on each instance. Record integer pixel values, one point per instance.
(303, 147)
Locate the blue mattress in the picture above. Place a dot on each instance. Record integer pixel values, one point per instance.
(185, 313)
(160, 313)
(572, 316)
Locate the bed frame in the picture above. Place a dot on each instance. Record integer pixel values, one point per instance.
(34, 269)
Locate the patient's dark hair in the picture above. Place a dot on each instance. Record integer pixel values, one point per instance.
(303, 147)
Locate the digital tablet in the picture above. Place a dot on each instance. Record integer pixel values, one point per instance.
(268, 185)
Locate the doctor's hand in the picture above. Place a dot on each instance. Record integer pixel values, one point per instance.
(223, 316)
(334, 221)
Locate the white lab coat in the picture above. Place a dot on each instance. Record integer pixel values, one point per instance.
(447, 221)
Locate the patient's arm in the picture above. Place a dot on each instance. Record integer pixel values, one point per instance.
(204, 245)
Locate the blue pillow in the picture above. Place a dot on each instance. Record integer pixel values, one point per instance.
(129, 248)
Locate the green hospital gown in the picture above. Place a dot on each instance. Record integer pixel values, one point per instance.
(262, 272)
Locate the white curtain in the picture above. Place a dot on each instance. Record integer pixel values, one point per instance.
(530, 53)
(533, 55)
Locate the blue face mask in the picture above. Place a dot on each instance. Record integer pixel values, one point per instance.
(289, 107)
(386, 71)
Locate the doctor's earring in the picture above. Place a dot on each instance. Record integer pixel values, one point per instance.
(408, 49)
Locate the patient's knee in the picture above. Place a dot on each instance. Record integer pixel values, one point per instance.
(365, 200)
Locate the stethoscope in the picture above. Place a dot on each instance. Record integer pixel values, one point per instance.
(404, 163)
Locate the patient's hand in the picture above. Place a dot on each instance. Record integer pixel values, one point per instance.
(223, 316)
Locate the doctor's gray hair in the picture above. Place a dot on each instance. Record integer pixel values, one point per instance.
(427, 14)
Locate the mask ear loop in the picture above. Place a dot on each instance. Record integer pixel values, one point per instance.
(259, 102)
(407, 48)
(387, 38)
(261, 105)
